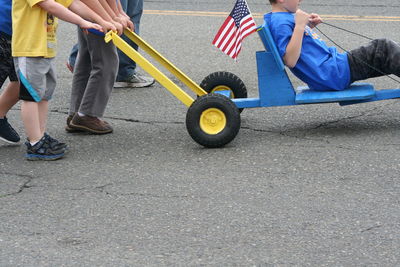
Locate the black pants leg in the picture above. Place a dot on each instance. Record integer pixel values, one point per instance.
(382, 54)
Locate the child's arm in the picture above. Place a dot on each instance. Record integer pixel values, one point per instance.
(98, 8)
(293, 49)
(120, 10)
(65, 14)
(120, 15)
(108, 8)
(84, 11)
(315, 19)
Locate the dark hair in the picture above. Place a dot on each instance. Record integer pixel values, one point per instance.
(272, 1)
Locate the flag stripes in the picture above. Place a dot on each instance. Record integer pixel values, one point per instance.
(235, 28)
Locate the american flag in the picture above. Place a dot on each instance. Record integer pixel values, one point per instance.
(236, 27)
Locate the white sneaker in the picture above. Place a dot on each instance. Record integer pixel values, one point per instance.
(135, 81)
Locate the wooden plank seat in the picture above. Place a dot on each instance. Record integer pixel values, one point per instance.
(357, 91)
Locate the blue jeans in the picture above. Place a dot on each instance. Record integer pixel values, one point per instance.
(134, 9)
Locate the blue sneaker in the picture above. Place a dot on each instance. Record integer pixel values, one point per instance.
(43, 150)
(7, 133)
(54, 143)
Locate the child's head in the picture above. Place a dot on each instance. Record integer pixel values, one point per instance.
(288, 5)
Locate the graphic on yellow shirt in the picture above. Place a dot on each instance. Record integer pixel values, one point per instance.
(34, 30)
(51, 32)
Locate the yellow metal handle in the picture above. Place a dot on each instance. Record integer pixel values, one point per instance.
(151, 69)
(164, 62)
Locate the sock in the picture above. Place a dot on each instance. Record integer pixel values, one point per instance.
(33, 143)
(81, 114)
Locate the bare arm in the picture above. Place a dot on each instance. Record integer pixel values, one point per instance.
(65, 14)
(80, 8)
(293, 49)
(315, 19)
(111, 13)
(121, 11)
(108, 8)
(94, 6)
(114, 6)
(120, 7)
(98, 8)
(120, 15)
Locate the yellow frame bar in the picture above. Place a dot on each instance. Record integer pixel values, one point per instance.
(164, 62)
(152, 70)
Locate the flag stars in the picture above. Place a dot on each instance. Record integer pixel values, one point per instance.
(239, 12)
(236, 27)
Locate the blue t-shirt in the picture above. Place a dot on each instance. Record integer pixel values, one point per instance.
(319, 66)
(5, 16)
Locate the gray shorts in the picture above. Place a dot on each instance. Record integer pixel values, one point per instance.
(37, 78)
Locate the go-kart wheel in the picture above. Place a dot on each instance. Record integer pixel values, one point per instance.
(224, 81)
(213, 120)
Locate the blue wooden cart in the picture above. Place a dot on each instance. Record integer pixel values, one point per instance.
(213, 119)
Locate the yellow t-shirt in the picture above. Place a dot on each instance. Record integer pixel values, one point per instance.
(34, 30)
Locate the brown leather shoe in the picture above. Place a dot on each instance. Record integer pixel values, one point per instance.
(68, 127)
(90, 124)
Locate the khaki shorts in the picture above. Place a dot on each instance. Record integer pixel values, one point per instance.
(37, 78)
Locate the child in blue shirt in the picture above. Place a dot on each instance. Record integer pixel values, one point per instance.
(9, 96)
(319, 66)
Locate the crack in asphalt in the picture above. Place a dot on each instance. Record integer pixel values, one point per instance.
(145, 122)
(102, 189)
(99, 188)
(321, 125)
(288, 133)
(371, 228)
(151, 195)
(25, 184)
(365, 113)
(125, 119)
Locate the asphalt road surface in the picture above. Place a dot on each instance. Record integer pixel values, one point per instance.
(314, 185)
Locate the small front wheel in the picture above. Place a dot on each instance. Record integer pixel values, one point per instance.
(213, 120)
(224, 81)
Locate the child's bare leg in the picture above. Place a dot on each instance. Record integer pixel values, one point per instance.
(30, 117)
(9, 98)
(43, 112)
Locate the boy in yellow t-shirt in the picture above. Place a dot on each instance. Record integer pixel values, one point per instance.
(33, 49)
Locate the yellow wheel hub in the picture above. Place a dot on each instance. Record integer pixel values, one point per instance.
(212, 121)
(223, 88)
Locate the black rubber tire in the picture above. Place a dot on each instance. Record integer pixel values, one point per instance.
(230, 80)
(223, 104)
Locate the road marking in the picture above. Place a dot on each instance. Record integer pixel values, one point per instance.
(259, 15)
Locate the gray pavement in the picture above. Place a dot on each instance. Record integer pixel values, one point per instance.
(313, 185)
